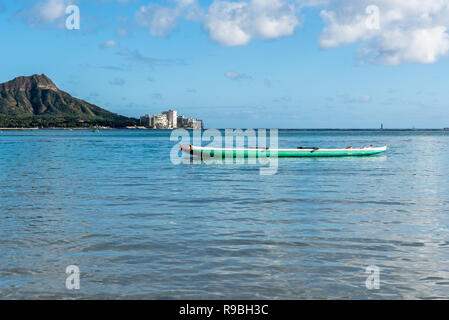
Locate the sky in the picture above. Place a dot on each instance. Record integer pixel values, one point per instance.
(242, 63)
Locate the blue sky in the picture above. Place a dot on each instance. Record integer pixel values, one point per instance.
(246, 63)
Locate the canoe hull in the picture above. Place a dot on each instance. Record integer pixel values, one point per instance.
(279, 153)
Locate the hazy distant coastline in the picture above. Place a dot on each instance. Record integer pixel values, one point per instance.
(280, 129)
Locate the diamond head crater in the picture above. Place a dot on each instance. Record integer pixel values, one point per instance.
(36, 102)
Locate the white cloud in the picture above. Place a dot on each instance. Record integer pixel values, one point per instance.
(162, 20)
(230, 23)
(53, 9)
(410, 31)
(124, 28)
(185, 2)
(46, 11)
(123, 31)
(414, 45)
(109, 44)
(335, 33)
(236, 23)
(359, 99)
(236, 75)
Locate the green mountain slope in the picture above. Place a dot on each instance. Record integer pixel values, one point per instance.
(36, 101)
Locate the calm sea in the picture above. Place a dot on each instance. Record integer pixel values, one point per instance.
(137, 226)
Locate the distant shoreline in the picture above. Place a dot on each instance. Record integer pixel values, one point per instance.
(280, 129)
(17, 129)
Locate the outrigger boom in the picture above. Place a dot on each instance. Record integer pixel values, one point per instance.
(281, 153)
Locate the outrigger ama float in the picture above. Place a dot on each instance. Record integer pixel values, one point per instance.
(281, 153)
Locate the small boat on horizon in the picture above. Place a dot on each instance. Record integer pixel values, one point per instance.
(282, 153)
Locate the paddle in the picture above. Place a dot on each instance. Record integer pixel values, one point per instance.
(313, 148)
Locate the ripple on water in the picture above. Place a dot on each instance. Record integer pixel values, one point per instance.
(140, 227)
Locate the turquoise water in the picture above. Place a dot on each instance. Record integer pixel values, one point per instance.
(138, 226)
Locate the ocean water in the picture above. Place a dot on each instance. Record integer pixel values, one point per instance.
(138, 226)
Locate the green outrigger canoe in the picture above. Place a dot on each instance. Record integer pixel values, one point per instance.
(280, 153)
